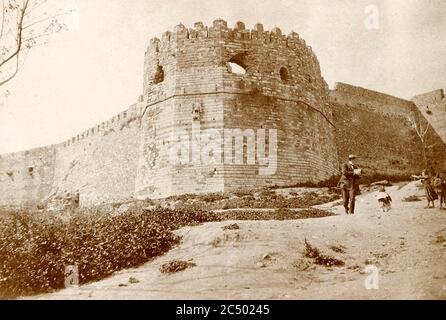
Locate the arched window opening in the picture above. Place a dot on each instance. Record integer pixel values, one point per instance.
(159, 75)
(236, 68)
(237, 64)
(284, 74)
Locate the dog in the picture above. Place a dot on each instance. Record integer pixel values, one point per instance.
(384, 200)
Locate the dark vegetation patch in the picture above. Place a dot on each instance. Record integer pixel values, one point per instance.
(255, 199)
(412, 198)
(319, 258)
(37, 246)
(175, 266)
(279, 214)
(440, 239)
(233, 226)
(338, 248)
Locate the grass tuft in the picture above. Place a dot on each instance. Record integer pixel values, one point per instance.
(319, 258)
(176, 266)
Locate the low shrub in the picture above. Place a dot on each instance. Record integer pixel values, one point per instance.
(279, 214)
(319, 258)
(233, 226)
(176, 266)
(36, 247)
(212, 197)
(338, 248)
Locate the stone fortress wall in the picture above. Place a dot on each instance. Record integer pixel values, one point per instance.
(26, 177)
(189, 87)
(376, 126)
(99, 163)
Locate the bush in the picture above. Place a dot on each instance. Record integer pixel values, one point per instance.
(36, 247)
(319, 258)
(212, 197)
(267, 193)
(279, 214)
(182, 197)
(233, 226)
(270, 199)
(176, 266)
(265, 197)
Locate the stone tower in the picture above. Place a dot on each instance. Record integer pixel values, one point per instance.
(226, 108)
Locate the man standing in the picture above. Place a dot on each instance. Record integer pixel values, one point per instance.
(349, 184)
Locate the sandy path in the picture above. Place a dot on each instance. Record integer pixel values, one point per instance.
(264, 259)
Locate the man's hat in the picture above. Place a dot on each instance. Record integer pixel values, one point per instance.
(352, 156)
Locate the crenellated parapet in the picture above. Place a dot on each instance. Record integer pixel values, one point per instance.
(195, 60)
(117, 123)
(220, 31)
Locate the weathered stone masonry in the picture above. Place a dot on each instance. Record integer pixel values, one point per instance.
(376, 127)
(194, 63)
(188, 82)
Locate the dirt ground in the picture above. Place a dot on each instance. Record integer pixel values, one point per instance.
(265, 259)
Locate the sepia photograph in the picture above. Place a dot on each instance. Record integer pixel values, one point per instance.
(191, 150)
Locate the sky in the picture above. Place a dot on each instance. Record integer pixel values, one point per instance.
(93, 71)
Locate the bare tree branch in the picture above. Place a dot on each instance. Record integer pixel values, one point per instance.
(421, 126)
(25, 24)
(19, 35)
(13, 74)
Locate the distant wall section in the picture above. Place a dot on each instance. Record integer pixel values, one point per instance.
(101, 162)
(26, 177)
(375, 126)
(433, 106)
